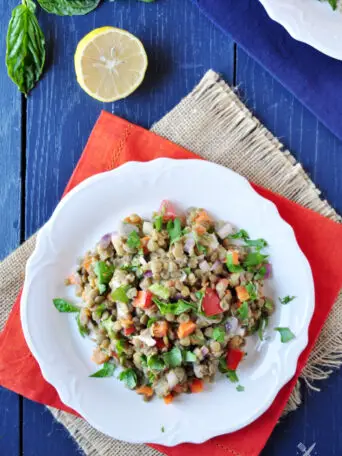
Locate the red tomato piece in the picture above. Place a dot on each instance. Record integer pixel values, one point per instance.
(211, 303)
(167, 210)
(159, 343)
(234, 357)
(143, 299)
(129, 331)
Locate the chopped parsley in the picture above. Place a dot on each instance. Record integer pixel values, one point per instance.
(189, 357)
(176, 308)
(133, 240)
(252, 291)
(262, 326)
(158, 222)
(173, 358)
(104, 273)
(174, 228)
(287, 299)
(257, 243)
(107, 371)
(129, 376)
(201, 248)
(218, 334)
(240, 388)
(64, 306)
(242, 311)
(254, 259)
(162, 429)
(285, 334)
(231, 266)
(242, 234)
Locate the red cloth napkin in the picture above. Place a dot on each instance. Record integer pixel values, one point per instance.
(114, 142)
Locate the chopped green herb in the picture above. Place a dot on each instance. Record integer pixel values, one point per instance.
(187, 271)
(218, 334)
(174, 228)
(254, 259)
(242, 311)
(158, 222)
(232, 376)
(269, 305)
(83, 330)
(189, 357)
(64, 306)
(107, 371)
(201, 248)
(155, 363)
(287, 299)
(162, 429)
(104, 273)
(240, 388)
(129, 268)
(242, 234)
(176, 308)
(173, 358)
(108, 325)
(263, 323)
(120, 294)
(257, 243)
(285, 334)
(120, 346)
(260, 273)
(151, 377)
(133, 240)
(129, 376)
(160, 290)
(143, 360)
(151, 321)
(252, 291)
(231, 266)
(100, 309)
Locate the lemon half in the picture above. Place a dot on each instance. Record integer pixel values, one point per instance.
(110, 63)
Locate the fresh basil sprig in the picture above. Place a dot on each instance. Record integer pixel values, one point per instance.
(64, 306)
(25, 47)
(107, 371)
(69, 7)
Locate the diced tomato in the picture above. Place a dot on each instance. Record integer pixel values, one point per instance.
(196, 386)
(167, 210)
(129, 331)
(234, 357)
(168, 399)
(160, 344)
(145, 390)
(143, 299)
(211, 303)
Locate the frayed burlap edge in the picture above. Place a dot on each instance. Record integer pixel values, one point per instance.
(212, 122)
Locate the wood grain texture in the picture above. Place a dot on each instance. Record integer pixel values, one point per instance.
(10, 196)
(320, 152)
(60, 117)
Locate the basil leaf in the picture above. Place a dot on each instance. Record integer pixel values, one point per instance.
(107, 371)
(287, 299)
(176, 308)
(173, 358)
(252, 291)
(129, 376)
(64, 306)
(332, 3)
(83, 330)
(120, 346)
(100, 309)
(104, 272)
(257, 243)
(254, 259)
(133, 240)
(201, 248)
(25, 47)
(218, 334)
(231, 266)
(143, 360)
(285, 334)
(240, 388)
(262, 326)
(242, 234)
(68, 7)
(158, 223)
(155, 363)
(242, 311)
(260, 273)
(174, 228)
(187, 271)
(151, 321)
(189, 357)
(232, 376)
(120, 294)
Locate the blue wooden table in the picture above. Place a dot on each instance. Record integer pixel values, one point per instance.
(42, 138)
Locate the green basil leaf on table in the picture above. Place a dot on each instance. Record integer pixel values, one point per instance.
(107, 371)
(285, 334)
(69, 7)
(129, 376)
(64, 306)
(25, 47)
(173, 358)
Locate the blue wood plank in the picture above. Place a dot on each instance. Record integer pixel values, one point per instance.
(320, 152)
(60, 117)
(10, 196)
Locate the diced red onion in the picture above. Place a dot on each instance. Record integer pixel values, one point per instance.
(189, 243)
(268, 267)
(215, 265)
(178, 296)
(204, 266)
(232, 325)
(172, 379)
(204, 351)
(125, 229)
(183, 276)
(213, 243)
(105, 241)
(225, 230)
(148, 274)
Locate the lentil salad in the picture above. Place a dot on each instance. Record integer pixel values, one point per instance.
(171, 300)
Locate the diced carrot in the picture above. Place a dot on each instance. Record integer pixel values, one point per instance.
(235, 257)
(145, 390)
(242, 293)
(168, 399)
(144, 242)
(196, 386)
(199, 229)
(203, 216)
(86, 263)
(129, 331)
(159, 329)
(185, 329)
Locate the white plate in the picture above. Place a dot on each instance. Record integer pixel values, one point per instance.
(95, 207)
(310, 21)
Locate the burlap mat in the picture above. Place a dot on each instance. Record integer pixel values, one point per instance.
(212, 122)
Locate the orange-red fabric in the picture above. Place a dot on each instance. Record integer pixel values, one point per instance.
(113, 142)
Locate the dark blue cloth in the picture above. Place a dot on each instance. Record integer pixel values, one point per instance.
(314, 78)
